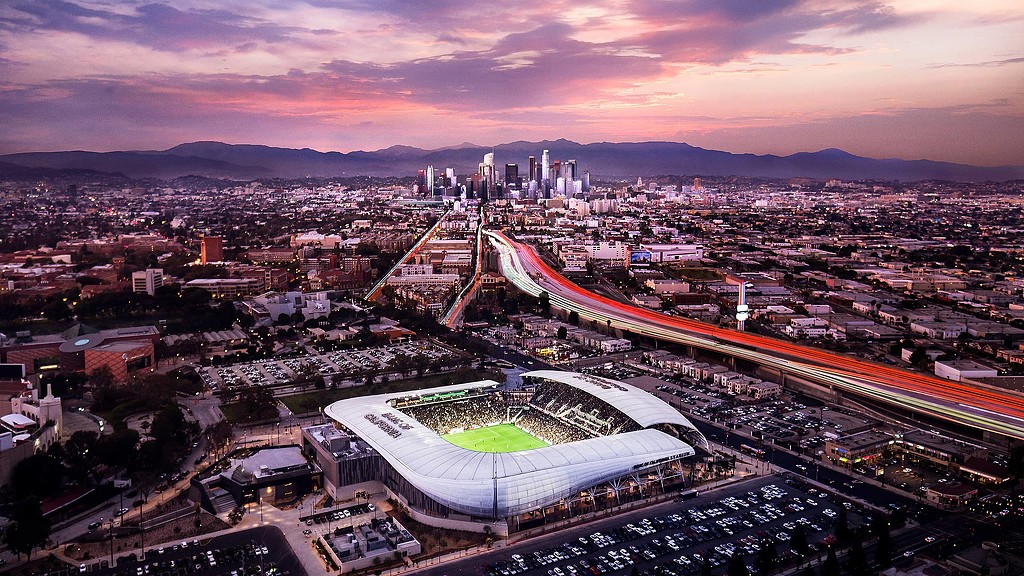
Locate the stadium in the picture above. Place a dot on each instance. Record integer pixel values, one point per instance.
(474, 454)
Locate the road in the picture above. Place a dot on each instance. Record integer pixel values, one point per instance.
(453, 317)
(988, 410)
(375, 290)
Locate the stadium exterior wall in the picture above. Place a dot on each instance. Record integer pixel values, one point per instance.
(445, 485)
(465, 524)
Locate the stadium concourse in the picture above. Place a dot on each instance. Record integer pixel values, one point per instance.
(478, 454)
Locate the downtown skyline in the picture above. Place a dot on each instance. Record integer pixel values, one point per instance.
(920, 79)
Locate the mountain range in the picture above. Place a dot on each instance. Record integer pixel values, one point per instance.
(602, 160)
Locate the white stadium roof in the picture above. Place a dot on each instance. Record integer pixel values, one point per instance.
(477, 483)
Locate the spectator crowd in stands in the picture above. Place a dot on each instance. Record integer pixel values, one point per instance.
(556, 413)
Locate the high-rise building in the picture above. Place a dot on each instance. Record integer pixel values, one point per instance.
(430, 180)
(421, 181)
(512, 177)
(147, 280)
(211, 249)
(487, 172)
(696, 184)
(545, 173)
(533, 168)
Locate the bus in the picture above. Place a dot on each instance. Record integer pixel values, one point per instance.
(687, 494)
(748, 449)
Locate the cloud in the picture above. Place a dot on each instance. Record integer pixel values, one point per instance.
(155, 25)
(986, 64)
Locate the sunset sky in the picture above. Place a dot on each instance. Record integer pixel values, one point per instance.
(937, 79)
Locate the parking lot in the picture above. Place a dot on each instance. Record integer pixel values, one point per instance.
(259, 551)
(340, 364)
(739, 520)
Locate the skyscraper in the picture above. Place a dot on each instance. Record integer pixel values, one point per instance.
(512, 177)
(533, 168)
(545, 174)
(430, 180)
(211, 249)
(488, 175)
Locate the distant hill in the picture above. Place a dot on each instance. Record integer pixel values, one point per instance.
(603, 159)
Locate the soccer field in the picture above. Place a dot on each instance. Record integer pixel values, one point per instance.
(500, 438)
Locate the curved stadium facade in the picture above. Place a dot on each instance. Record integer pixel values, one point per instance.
(478, 452)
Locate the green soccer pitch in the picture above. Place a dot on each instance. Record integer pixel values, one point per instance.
(500, 438)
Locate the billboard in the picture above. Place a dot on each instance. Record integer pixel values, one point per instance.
(12, 371)
(640, 258)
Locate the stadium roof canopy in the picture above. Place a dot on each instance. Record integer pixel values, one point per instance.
(489, 485)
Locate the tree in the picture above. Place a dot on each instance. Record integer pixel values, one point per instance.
(857, 562)
(259, 403)
(831, 564)
(842, 531)
(919, 355)
(80, 454)
(562, 332)
(767, 557)
(737, 567)
(799, 540)
(56, 311)
(1015, 462)
(102, 377)
(169, 427)
(28, 529)
(38, 475)
(883, 548)
(119, 449)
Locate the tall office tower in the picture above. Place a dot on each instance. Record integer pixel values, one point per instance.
(556, 170)
(696, 184)
(511, 176)
(533, 168)
(545, 175)
(421, 181)
(430, 180)
(570, 167)
(211, 249)
(586, 181)
(449, 174)
(147, 280)
(487, 172)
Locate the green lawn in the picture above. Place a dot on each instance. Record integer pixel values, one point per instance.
(500, 438)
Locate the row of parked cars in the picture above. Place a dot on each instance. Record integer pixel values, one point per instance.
(681, 543)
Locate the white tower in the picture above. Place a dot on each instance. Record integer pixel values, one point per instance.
(742, 308)
(545, 174)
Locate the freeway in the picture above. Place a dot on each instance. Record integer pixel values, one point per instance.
(984, 409)
(453, 317)
(375, 290)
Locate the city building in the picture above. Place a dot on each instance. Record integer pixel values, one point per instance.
(147, 281)
(211, 249)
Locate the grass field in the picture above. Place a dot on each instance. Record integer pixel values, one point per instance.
(500, 438)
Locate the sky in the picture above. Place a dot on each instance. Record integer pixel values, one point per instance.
(936, 79)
